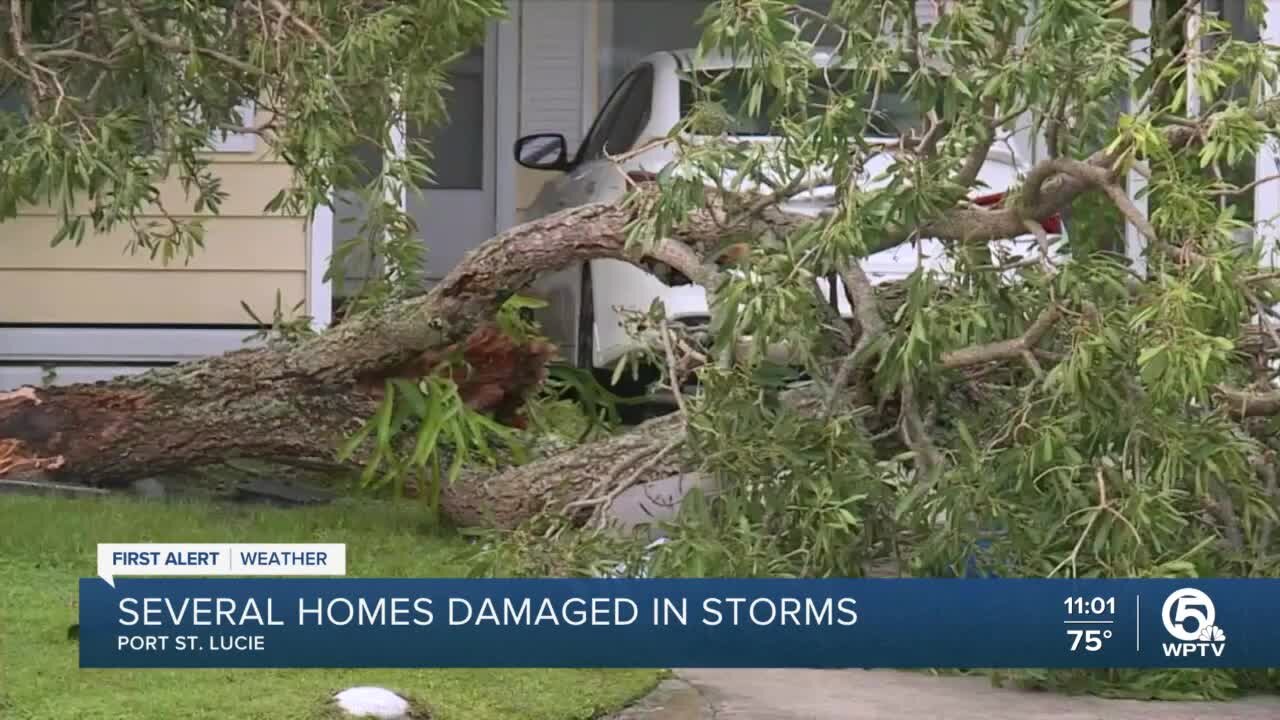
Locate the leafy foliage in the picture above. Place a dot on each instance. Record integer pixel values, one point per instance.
(424, 431)
(575, 406)
(101, 102)
(1103, 444)
(286, 326)
(1103, 413)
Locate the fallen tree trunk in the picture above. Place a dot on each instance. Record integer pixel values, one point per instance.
(577, 482)
(298, 402)
(581, 483)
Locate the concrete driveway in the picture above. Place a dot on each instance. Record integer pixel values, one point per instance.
(889, 695)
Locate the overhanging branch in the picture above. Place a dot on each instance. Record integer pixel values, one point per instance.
(1243, 403)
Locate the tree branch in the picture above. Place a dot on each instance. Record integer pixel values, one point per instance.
(986, 136)
(291, 17)
(1048, 191)
(1015, 348)
(871, 327)
(140, 27)
(1243, 403)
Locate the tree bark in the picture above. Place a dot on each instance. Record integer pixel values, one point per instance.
(591, 472)
(582, 482)
(302, 400)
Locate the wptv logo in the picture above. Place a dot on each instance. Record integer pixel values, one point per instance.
(1188, 615)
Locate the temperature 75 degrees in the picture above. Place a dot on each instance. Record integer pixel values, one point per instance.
(1090, 640)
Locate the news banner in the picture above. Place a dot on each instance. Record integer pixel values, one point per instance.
(290, 606)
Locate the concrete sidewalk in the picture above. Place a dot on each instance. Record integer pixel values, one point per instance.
(889, 695)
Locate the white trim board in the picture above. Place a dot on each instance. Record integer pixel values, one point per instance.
(507, 111)
(52, 345)
(592, 33)
(16, 376)
(1266, 195)
(319, 254)
(1139, 50)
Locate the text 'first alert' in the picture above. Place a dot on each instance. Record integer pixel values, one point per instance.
(177, 559)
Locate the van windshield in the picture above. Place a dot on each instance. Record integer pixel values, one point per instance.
(895, 112)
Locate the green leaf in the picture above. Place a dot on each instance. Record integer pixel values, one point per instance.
(906, 502)
(434, 418)
(349, 447)
(459, 453)
(371, 469)
(249, 311)
(384, 416)
(412, 394)
(1153, 368)
(524, 302)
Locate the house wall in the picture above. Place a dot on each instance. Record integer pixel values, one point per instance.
(248, 256)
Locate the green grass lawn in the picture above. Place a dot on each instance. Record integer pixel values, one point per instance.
(47, 544)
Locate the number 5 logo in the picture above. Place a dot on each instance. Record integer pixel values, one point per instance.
(1187, 604)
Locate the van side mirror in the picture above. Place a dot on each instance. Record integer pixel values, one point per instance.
(543, 151)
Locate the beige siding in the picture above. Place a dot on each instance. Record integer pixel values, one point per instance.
(231, 243)
(144, 296)
(248, 256)
(249, 187)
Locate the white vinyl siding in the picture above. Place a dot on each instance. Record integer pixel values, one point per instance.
(553, 44)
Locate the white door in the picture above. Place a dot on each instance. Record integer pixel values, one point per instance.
(468, 198)
(457, 209)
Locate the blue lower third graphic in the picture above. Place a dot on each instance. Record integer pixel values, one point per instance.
(835, 623)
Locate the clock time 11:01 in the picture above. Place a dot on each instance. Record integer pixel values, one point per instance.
(1090, 606)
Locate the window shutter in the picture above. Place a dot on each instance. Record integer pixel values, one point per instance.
(552, 48)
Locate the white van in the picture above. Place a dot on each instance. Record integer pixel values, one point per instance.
(648, 103)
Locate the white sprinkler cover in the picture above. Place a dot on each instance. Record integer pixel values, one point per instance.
(373, 702)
